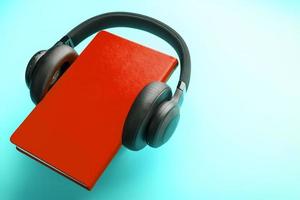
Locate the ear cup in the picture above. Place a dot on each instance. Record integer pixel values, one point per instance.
(31, 66)
(147, 101)
(163, 124)
(48, 70)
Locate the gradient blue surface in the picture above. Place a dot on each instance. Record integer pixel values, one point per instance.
(239, 133)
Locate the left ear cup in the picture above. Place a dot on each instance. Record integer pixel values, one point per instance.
(137, 121)
(163, 123)
(48, 70)
(31, 66)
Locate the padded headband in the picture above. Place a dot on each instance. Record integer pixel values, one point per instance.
(137, 21)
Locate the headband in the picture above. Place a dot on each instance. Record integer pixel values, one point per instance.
(136, 21)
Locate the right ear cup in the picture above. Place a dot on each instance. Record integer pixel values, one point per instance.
(31, 66)
(163, 123)
(137, 121)
(49, 68)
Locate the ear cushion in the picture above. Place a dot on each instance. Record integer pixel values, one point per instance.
(147, 101)
(49, 68)
(31, 66)
(163, 124)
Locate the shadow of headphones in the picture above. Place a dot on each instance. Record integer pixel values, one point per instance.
(155, 113)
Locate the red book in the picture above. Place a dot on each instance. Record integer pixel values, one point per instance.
(77, 128)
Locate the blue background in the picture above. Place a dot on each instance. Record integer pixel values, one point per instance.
(239, 133)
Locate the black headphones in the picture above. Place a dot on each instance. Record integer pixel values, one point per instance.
(154, 114)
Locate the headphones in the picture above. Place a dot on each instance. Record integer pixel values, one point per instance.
(154, 114)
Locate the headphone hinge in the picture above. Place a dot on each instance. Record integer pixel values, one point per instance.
(66, 40)
(179, 93)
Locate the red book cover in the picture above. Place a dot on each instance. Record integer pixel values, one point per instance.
(77, 128)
